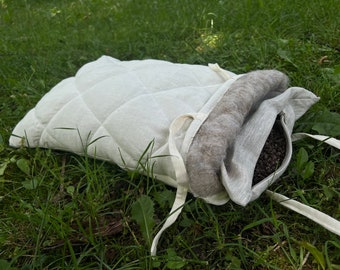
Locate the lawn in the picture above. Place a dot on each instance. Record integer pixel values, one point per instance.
(62, 211)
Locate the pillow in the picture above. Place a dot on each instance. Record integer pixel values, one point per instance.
(207, 126)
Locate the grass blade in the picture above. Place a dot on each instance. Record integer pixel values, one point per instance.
(142, 212)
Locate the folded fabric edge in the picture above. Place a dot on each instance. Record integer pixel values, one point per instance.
(217, 134)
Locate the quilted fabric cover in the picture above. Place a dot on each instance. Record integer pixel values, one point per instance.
(122, 107)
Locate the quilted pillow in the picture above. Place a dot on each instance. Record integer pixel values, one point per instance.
(208, 126)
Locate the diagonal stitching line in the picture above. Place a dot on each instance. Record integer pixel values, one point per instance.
(131, 71)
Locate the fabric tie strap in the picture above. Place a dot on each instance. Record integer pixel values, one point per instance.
(329, 140)
(181, 176)
(321, 218)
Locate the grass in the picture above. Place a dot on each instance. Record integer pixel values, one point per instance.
(60, 211)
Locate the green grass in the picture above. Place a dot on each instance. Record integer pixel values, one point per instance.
(60, 211)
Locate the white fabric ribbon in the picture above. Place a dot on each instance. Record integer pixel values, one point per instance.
(321, 218)
(329, 140)
(181, 176)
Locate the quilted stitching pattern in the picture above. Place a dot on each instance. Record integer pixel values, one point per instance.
(126, 104)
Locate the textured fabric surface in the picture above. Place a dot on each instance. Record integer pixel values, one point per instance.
(113, 109)
(217, 135)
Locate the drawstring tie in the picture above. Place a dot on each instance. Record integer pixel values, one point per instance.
(182, 178)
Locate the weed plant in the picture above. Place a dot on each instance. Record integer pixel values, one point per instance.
(61, 211)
